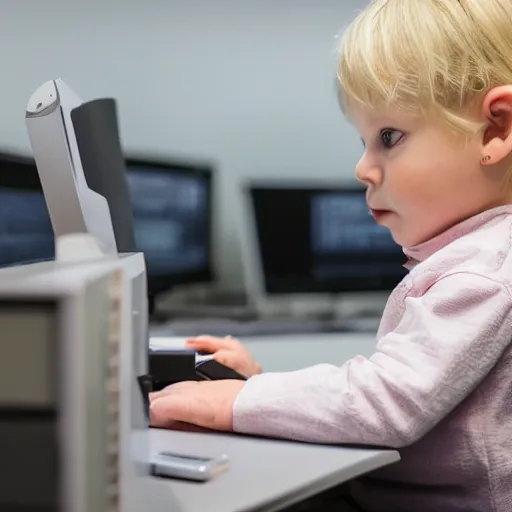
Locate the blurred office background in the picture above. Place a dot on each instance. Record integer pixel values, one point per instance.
(244, 88)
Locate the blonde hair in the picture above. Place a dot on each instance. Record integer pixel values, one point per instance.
(433, 57)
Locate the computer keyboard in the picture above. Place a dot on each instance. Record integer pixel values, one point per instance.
(263, 327)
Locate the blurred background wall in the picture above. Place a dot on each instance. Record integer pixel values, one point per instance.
(248, 85)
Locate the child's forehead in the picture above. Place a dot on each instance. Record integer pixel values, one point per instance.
(365, 117)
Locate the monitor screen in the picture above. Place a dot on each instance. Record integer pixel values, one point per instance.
(172, 205)
(322, 240)
(26, 234)
(172, 219)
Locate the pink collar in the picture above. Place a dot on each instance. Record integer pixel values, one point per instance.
(421, 252)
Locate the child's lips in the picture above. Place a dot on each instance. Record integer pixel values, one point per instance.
(379, 214)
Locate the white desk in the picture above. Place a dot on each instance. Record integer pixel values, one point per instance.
(264, 475)
(268, 475)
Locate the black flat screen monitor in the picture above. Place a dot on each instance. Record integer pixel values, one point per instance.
(322, 240)
(172, 206)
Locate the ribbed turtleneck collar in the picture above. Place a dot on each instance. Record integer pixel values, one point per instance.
(421, 252)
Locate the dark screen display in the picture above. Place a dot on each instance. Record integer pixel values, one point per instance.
(29, 458)
(172, 219)
(26, 234)
(322, 241)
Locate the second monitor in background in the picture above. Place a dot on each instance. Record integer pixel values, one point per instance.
(172, 206)
(318, 239)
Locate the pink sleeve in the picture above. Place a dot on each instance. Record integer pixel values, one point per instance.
(446, 343)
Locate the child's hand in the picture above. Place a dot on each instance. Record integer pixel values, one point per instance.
(227, 351)
(207, 404)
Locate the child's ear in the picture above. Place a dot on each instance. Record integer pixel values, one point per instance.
(497, 111)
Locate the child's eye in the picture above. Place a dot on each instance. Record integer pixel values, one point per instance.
(390, 138)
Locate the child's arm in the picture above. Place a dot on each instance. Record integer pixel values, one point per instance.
(446, 343)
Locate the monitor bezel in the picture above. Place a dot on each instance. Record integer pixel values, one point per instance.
(158, 284)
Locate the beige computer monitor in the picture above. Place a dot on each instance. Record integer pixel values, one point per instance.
(74, 433)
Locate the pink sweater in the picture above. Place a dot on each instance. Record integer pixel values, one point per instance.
(438, 387)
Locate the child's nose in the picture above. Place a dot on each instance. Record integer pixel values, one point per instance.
(368, 173)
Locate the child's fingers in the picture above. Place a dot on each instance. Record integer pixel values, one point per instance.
(164, 411)
(172, 388)
(226, 357)
(208, 343)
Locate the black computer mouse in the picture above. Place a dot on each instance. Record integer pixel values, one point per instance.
(213, 370)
